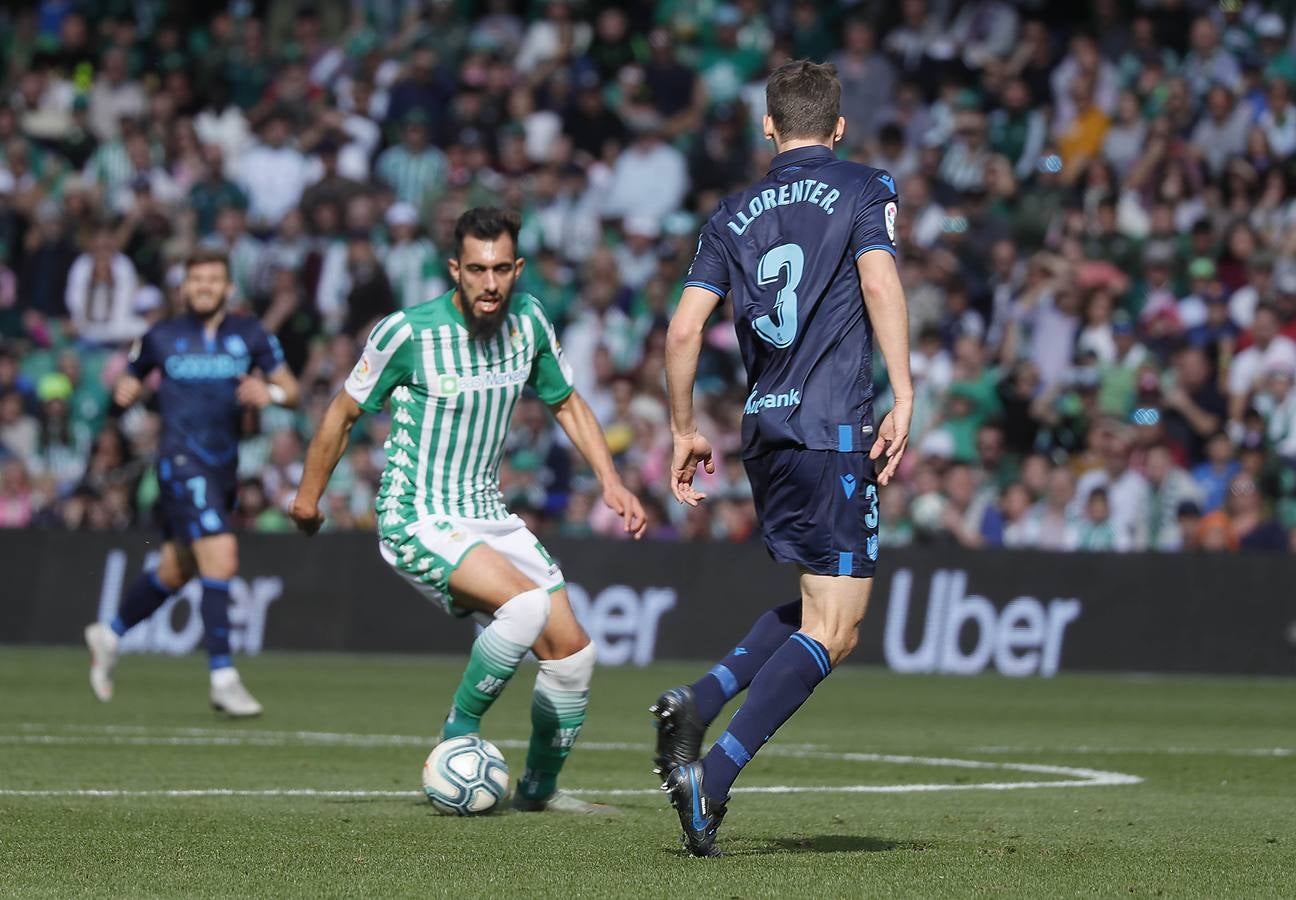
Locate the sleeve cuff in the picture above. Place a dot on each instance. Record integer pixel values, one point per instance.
(887, 247)
(706, 285)
(571, 389)
(366, 404)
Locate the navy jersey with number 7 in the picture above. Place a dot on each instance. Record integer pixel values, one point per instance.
(786, 248)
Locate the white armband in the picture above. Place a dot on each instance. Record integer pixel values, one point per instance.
(277, 394)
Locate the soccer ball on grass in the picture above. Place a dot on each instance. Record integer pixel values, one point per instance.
(465, 776)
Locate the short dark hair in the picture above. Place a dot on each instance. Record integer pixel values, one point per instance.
(804, 99)
(486, 223)
(204, 255)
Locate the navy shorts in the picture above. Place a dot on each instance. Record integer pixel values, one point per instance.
(195, 501)
(818, 509)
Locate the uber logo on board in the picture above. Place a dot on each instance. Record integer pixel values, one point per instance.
(1025, 638)
(621, 620)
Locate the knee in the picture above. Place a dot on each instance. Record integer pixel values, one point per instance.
(220, 570)
(839, 642)
(169, 576)
(564, 646)
(570, 673)
(219, 563)
(844, 646)
(523, 617)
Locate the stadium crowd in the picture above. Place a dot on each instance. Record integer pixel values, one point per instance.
(1097, 237)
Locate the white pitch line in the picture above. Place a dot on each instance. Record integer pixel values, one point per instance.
(1277, 752)
(1067, 776)
(267, 739)
(207, 792)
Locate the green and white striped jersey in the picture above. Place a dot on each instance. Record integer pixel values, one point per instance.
(452, 398)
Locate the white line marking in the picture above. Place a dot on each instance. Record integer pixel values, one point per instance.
(209, 792)
(1277, 752)
(132, 735)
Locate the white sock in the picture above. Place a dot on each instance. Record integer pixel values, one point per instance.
(224, 676)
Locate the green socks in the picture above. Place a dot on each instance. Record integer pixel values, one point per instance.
(556, 719)
(495, 656)
(557, 714)
(490, 666)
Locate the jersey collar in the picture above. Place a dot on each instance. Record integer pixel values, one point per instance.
(801, 155)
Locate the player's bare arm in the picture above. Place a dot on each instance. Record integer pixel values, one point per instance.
(278, 389)
(577, 419)
(322, 456)
(884, 298)
(683, 345)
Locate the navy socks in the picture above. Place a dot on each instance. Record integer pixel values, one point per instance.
(216, 627)
(777, 691)
(146, 595)
(736, 671)
(143, 598)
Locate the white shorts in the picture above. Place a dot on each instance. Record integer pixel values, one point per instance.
(438, 544)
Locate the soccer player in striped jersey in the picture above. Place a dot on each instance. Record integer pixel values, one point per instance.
(453, 370)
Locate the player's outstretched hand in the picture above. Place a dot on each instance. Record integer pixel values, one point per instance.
(627, 506)
(253, 391)
(893, 438)
(307, 516)
(691, 450)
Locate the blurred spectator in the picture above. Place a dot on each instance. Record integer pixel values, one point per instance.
(867, 80)
(1096, 531)
(1252, 526)
(272, 172)
(649, 178)
(413, 169)
(101, 293)
(1214, 475)
(1055, 524)
(1270, 349)
(1095, 235)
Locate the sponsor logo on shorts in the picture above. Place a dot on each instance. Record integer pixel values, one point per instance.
(848, 484)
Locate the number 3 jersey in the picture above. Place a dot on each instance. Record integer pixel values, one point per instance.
(786, 249)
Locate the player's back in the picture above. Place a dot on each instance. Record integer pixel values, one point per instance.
(787, 249)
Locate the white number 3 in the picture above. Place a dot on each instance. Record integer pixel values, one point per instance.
(770, 268)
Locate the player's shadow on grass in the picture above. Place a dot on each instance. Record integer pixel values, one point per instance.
(823, 843)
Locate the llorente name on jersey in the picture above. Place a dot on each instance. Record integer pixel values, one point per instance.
(807, 190)
(450, 385)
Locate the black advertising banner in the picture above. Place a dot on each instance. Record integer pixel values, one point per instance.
(934, 610)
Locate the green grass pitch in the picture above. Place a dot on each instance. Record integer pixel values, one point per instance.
(1153, 786)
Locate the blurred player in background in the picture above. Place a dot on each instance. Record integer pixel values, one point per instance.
(795, 251)
(454, 369)
(206, 358)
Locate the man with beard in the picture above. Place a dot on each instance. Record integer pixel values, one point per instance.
(206, 358)
(454, 369)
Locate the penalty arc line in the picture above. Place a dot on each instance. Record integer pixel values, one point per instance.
(138, 735)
